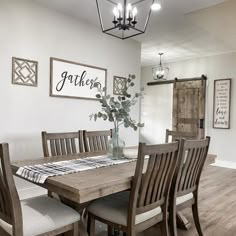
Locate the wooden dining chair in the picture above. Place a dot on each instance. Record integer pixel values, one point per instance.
(185, 184)
(42, 215)
(58, 144)
(147, 202)
(95, 141)
(171, 135)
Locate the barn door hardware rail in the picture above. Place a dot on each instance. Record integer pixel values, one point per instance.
(203, 77)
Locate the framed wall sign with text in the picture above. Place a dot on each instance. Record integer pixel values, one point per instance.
(222, 99)
(74, 80)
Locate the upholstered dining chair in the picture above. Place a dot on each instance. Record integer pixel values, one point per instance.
(172, 135)
(147, 202)
(42, 215)
(95, 141)
(185, 184)
(58, 144)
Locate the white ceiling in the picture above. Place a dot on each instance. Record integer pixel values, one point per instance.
(183, 29)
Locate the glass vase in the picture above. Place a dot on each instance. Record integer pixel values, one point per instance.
(116, 145)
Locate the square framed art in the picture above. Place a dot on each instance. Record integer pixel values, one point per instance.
(119, 84)
(24, 72)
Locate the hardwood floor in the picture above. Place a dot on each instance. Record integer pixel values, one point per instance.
(217, 206)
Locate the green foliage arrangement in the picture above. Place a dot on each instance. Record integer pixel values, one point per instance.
(117, 109)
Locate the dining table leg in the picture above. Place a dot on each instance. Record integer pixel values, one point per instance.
(182, 222)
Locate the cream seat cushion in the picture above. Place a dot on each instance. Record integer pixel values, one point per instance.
(43, 214)
(184, 198)
(6, 226)
(114, 208)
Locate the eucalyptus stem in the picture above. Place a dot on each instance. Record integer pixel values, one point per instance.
(117, 109)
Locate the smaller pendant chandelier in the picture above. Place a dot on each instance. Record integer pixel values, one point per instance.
(123, 18)
(160, 72)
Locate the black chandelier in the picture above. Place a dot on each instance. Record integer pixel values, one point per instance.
(119, 18)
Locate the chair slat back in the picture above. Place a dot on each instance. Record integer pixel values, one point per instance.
(152, 182)
(58, 144)
(10, 208)
(95, 141)
(191, 165)
(172, 136)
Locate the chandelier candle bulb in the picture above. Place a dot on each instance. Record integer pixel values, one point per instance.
(116, 12)
(156, 7)
(135, 11)
(120, 9)
(129, 9)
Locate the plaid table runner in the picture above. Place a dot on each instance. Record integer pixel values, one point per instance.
(39, 173)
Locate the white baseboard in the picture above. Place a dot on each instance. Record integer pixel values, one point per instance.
(225, 164)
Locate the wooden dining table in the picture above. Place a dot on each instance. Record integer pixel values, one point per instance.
(84, 186)
(89, 185)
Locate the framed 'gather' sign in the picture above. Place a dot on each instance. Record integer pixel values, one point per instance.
(74, 80)
(222, 99)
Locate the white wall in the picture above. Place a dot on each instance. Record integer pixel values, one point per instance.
(159, 101)
(156, 109)
(33, 32)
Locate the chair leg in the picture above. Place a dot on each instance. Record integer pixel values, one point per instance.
(82, 229)
(164, 227)
(50, 194)
(196, 218)
(130, 232)
(91, 225)
(172, 219)
(164, 223)
(75, 231)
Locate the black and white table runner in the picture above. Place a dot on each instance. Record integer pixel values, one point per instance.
(39, 173)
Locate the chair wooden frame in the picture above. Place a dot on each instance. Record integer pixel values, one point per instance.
(178, 135)
(96, 140)
(62, 143)
(10, 207)
(186, 180)
(149, 190)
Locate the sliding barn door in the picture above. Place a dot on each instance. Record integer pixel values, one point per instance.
(189, 107)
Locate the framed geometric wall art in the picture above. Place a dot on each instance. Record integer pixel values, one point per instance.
(222, 100)
(24, 72)
(119, 84)
(70, 79)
